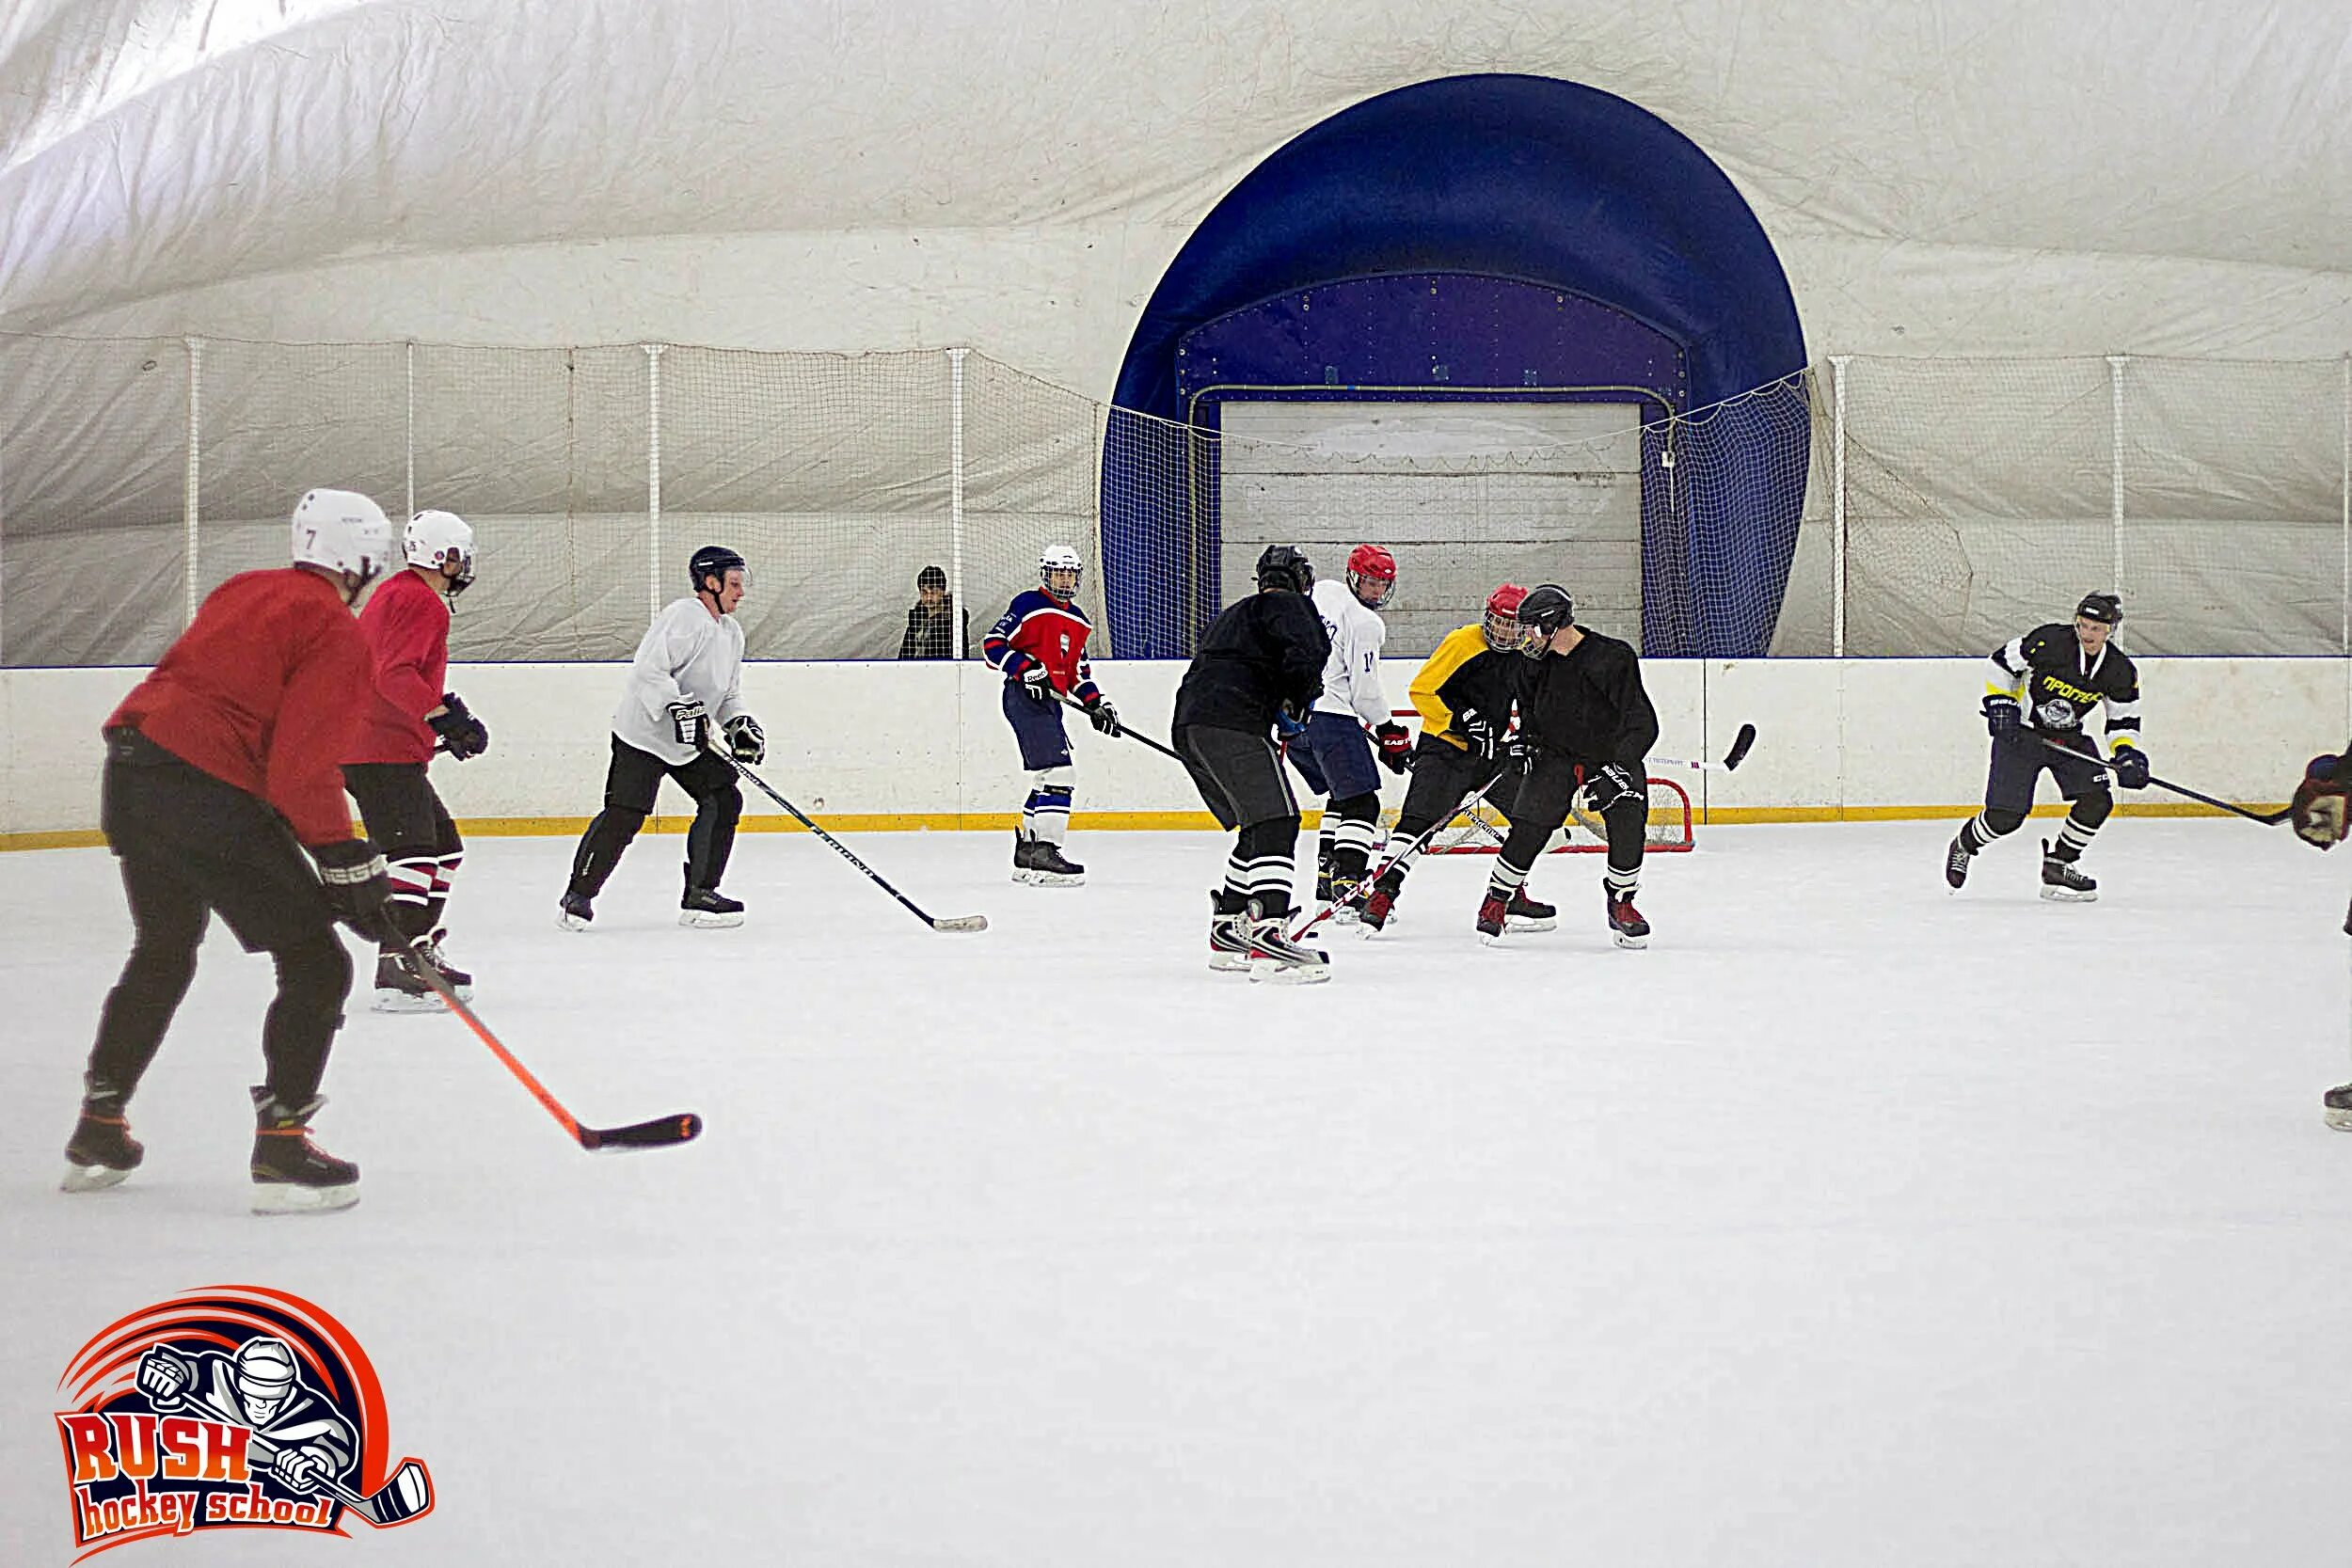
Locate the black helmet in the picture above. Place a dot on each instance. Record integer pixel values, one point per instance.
(1545, 611)
(2104, 607)
(714, 561)
(1282, 566)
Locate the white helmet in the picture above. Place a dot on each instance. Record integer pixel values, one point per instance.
(264, 1371)
(442, 542)
(344, 532)
(1058, 558)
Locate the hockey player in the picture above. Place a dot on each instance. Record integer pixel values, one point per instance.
(1465, 695)
(1588, 726)
(687, 673)
(1260, 665)
(2060, 674)
(262, 1388)
(407, 628)
(1335, 756)
(1040, 646)
(2323, 818)
(223, 766)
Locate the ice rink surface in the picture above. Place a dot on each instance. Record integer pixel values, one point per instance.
(1854, 1222)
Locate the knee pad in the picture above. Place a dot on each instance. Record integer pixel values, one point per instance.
(724, 804)
(1274, 836)
(623, 822)
(314, 976)
(1356, 808)
(2091, 807)
(2000, 824)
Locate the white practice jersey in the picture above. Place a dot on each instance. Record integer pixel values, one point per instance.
(687, 651)
(1351, 676)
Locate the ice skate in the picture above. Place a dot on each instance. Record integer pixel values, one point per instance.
(1529, 914)
(1626, 924)
(1346, 908)
(707, 909)
(1956, 859)
(1275, 958)
(1494, 919)
(1023, 856)
(1050, 867)
(291, 1174)
(459, 981)
(1229, 938)
(2336, 1104)
(575, 911)
(2061, 883)
(400, 989)
(101, 1151)
(1380, 909)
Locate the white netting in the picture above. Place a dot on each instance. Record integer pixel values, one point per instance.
(1481, 829)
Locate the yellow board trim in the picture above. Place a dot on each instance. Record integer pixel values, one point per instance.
(1135, 821)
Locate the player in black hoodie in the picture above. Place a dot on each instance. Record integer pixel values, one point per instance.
(1589, 725)
(1260, 667)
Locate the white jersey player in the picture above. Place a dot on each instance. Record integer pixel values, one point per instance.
(1333, 752)
(686, 674)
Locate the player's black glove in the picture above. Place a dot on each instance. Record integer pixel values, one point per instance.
(1101, 714)
(2002, 716)
(1396, 747)
(1479, 730)
(1611, 783)
(747, 743)
(2130, 767)
(1516, 753)
(462, 734)
(688, 720)
(359, 888)
(1038, 682)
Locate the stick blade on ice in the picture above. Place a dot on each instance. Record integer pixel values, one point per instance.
(961, 922)
(660, 1132)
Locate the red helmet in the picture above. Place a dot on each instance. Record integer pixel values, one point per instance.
(1501, 624)
(1368, 565)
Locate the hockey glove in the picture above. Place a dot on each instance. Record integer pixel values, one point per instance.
(358, 889)
(164, 1375)
(1396, 747)
(1103, 716)
(2130, 767)
(688, 719)
(1479, 732)
(746, 742)
(1038, 682)
(2002, 716)
(304, 1468)
(1611, 783)
(1289, 721)
(462, 734)
(2321, 817)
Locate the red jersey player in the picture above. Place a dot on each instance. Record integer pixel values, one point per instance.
(407, 628)
(1040, 643)
(223, 766)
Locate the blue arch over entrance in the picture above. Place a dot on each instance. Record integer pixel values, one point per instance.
(1523, 177)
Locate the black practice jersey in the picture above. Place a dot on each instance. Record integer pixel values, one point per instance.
(1590, 704)
(2058, 683)
(1260, 653)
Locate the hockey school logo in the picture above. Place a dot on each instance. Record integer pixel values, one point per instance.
(230, 1405)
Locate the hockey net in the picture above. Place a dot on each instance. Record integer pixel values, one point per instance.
(1481, 829)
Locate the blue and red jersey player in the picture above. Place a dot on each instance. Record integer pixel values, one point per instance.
(1040, 643)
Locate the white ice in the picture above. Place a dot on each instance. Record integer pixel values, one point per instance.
(1854, 1222)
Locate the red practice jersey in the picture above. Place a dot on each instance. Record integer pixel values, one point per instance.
(1041, 629)
(262, 691)
(407, 628)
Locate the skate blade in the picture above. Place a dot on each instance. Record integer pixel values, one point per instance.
(703, 920)
(1534, 923)
(1024, 878)
(1272, 971)
(2068, 896)
(2340, 1121)
(290, 1198)
(1623, 940)
(390, 1001)
(567, 921)
(1057, 879)
(1229, 964)
(90, 1179)
(1495, 939)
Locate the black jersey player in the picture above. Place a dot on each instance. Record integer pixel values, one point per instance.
(2323, 818)
(1260, 665)
(1466, 694)
(2042, 688)
(1589, 725)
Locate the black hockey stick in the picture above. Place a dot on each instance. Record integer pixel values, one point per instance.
(2267, 818)
(1732, 759)
(949, 923)
(1168, 751)
(660, 1132)
(1362, 889)
(408, 1495)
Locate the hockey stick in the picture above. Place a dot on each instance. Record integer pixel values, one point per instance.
(660, 1132)
(1732, 759)
(408, 1495)
(2267, 818)
(950, 922)
(1357, 894)
(1168, 751)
